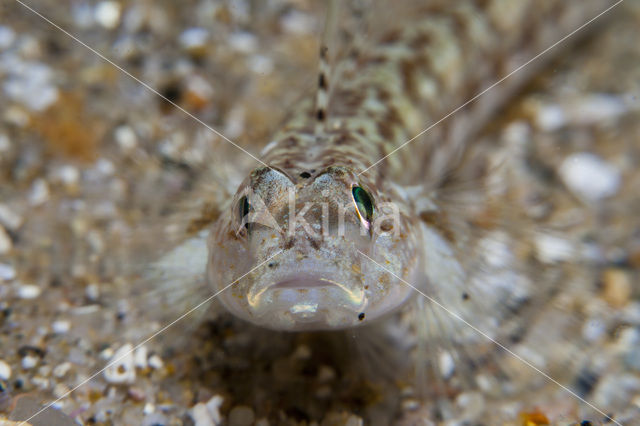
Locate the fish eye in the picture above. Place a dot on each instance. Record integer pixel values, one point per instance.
(243, 210)
(364, 203)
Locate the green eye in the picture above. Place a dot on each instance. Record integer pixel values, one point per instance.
(364, 203)
(243, 210)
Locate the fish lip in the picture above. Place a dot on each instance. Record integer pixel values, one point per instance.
(301, 283)
(290, 282)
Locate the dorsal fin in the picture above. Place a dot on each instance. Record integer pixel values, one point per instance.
(324, 66)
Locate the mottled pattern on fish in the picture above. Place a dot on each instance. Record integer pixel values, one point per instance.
(387, 93)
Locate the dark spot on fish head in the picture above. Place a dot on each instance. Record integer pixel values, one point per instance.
(290, 142)
(322, 81)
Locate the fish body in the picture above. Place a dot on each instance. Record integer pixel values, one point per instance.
(331, 265)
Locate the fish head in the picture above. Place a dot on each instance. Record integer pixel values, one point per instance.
(319, 253)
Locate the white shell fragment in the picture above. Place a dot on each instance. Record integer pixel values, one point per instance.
(39, 193)
(61, 369)
(589, 177)
(552, 249)
(5, 370)
(29, 83)
(7, 37)
(29, 291)
(194, 37)
(140, 357)
(155, 362)
(207, 414)
(61, 326)
(7, 272)
(9, 219)
(29, 361)
(126, 138)
(123, 370)
(107, 14)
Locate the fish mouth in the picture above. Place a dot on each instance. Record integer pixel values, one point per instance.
(302, 283)
(303, 302)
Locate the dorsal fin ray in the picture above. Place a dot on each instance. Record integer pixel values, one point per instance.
(324, 66)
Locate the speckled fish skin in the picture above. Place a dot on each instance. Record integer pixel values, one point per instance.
(383, 96)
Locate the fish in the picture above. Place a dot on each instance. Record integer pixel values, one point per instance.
(355, 170)
(360, 212)
(388, 213)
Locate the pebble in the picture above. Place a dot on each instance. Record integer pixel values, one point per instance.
(7, 272)
(410, 404)
(136, 394)
(261, 64)
(29, 362)
(7, 37)
(83, 15)
(213, 405)
(39, 193)
(155, 362)
(302, 352)
(61, 369)
(201, 416)
(5, 242)
(126, 138)
(241, 415)
(92, 292)
(243, 42)
(9, 218)
(29, 291)
(107, 14)
(148, 408)
(471, 403)
(61, 390)
(17, 116)
(593, 330)
(155, 419)
(589, 177)
(123, 370)
(68, 175)
(200, 87)
(5, 370)
(553, 249)
(140, 357)
(61, 326)
(342, 418)
(194, 38)
(30, 83)
(105, 167)
(551, 117)
(207, 414)
(326, 374)
(616, 287)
